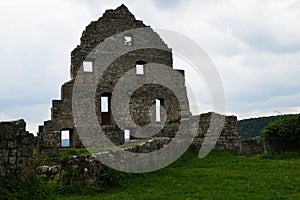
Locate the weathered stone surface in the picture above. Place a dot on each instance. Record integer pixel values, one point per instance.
(48, 172)
(112, 22)
(251, 146)
(86, 169)
(80, 170)
(141, 101)
(16, 150)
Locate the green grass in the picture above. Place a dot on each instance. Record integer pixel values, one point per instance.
(220, 175)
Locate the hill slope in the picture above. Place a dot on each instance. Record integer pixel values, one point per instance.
(251, 128)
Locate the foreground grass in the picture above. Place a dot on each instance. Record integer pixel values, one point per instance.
(220, 175)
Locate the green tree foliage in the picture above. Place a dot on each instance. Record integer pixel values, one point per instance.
(283, 135)
(251, 128)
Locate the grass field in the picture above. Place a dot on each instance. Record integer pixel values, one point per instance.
(220, 175)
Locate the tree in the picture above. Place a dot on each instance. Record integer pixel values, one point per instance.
(251, 128)
(283, 134)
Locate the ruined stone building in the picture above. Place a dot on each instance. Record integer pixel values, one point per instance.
(119, 22)
(16, 150)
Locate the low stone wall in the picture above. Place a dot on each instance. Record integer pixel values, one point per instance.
(86, 169)
(251, 146)
(16, 150)
(48, 172)
(224, 143)
(80, 170)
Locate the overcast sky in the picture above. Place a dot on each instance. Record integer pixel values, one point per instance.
(255, 45)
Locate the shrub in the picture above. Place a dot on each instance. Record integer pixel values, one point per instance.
(40, 158)
(73, 152)
(283, 135)
(11, 188)
(110, 177)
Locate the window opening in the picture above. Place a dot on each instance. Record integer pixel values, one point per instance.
(139, 69)
(157, 109)
(104, 104)
(127, 40)
(87, 66)
(140, 66)
(65, 138)
(105, 108)
(126, 135)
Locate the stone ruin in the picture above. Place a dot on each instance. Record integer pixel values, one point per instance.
(114, 22)
(17, 145)
(16, 150)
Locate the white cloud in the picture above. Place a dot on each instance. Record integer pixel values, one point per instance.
(33, 115)
(3, 117)
(267, 112)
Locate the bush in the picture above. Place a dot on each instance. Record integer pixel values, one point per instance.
(110, 178)
(11, 188)
(40, 158)
(283, 135)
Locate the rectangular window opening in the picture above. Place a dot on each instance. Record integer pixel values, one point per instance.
(65, 138)
(87, 66)
(127, 40)
(157, 109)
(126, 135)
(105, 108)
(104, 104)
(139, 69)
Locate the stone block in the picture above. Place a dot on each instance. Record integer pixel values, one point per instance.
(11, 144)
(16, 140)
(3, 144)
(12, 160)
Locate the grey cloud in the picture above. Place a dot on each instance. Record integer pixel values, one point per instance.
(167, 4)
(264, 40)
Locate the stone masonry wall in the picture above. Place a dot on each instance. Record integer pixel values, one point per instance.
(120, 21)
(251, 146)
(16, 150)
(111, 23)
(86, 169)
(229, 129)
